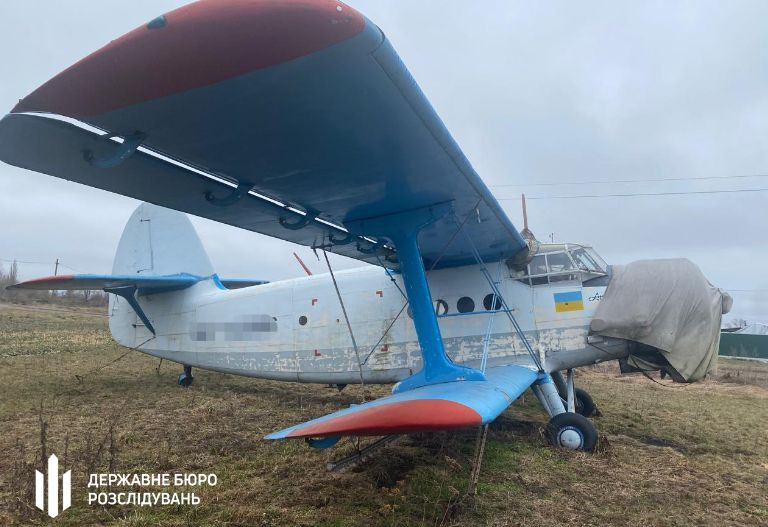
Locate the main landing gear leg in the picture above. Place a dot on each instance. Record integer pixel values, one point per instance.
(185, 378)
(583, 402)
(565, 429)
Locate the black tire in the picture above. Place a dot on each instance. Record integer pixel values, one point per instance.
(185, 380)
(584, 403)
(560, 432)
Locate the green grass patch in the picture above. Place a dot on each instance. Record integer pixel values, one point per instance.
(668, 456)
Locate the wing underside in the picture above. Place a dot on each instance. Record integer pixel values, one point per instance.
(441, 406)
(319, 125)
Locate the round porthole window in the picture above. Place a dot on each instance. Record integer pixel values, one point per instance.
(465, 305)
(492, 302)
(302, 320)
(441, 308)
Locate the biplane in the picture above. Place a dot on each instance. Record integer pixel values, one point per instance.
(297, 119)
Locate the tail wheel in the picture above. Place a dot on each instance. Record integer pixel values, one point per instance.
(186, 378)
(583, 402)
(572, 431)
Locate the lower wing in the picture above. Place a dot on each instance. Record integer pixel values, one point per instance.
(441, 406)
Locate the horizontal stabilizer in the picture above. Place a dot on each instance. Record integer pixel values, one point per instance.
(441, 406)
(144, 285)
(239, 283)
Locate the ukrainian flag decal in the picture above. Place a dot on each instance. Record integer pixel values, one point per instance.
(570, 301)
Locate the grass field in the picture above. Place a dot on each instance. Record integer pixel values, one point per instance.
(693, 455)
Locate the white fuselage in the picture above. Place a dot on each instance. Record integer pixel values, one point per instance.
(295, 329)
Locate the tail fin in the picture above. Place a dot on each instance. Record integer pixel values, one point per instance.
(159, 242)
(159, 252)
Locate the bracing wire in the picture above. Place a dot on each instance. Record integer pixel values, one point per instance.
(386, 332)
(392, 278)
(431, 267)
(346, 318)
(504, 305)
(455, 234)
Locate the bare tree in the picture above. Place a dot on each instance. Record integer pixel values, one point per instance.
(89, 298)
(13, 274)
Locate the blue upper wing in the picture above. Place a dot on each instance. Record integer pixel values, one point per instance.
(335, 135)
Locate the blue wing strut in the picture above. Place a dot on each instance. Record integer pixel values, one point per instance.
(403, 229)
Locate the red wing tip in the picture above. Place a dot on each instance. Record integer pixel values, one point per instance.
(44, 280)
(57, 278)
(198, 45)
(420, 415)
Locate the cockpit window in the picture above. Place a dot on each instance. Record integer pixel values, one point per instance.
(559, 262)
(538, 265)
(585, 261)
(550, 267)
(602, 264)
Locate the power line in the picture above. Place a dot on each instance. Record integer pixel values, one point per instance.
(651, 180)
(632, 194)
(31, 262)
(26, 261)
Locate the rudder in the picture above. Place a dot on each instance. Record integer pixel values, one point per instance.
(157, 241)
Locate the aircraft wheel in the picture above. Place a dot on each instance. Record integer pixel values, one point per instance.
(583, 403)
(186, 378)
(572, 431)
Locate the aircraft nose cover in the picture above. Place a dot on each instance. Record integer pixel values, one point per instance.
(197, 45)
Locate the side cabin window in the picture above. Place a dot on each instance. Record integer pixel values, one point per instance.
(465, 305)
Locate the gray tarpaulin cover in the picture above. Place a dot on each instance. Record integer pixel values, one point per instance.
(667, 304)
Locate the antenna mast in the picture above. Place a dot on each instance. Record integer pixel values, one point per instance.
(303, 265)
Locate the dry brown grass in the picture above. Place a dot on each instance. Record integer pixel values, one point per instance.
(669, 456)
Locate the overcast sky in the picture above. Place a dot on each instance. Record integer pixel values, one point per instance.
(534, 92)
